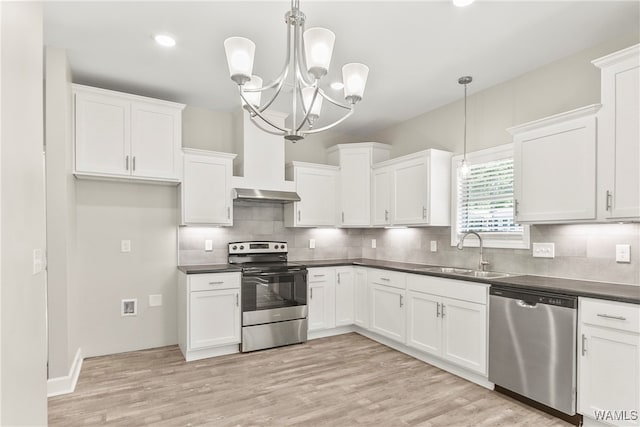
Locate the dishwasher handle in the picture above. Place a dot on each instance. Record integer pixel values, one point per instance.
(524, 304)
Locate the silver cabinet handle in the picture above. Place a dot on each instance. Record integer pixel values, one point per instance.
(318, 275)
(133, 164)
(386, 279)
(298, 214)
(515, 206)
(437, 309)
(386, 215)
(584, 344)
(608, 201)
(338, 278)
(237, 300)
(424, 213)
(442, 310)
(608, 316)
(126, 162)
(343, 217)
(401, 303)
(216, 283)
(311, 293)
(228, 212)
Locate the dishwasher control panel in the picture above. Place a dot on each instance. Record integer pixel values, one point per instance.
(533, 297)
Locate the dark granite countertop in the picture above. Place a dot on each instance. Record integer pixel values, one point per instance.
(583, 288)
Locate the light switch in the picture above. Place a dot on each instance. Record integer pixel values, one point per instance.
(125, 246)
(544, 250)
(312, 243)
(623, 253)
(434, 246)
(208, 245)
(373, 243)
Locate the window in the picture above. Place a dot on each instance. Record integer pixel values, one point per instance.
(483, 200)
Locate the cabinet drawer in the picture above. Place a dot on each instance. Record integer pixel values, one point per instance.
(611, 314)
(210, 281)
(315, 275)
(388, 278)
(451, 288)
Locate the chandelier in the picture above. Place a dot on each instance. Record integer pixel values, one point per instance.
(307, 61)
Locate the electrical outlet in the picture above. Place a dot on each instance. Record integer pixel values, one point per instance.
(434, 245)
(373, 243)
(129, 307)
(208, 245)
(544, 250)
(312, 243)
(125, 246)
(155, 300)
(623, 253)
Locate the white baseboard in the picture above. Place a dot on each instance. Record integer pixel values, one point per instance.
(67, 384)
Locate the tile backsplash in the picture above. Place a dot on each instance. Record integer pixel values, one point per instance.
(581, 251)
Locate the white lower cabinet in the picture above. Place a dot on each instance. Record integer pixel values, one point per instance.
(345, 304)
(452, 327)
(208, 314)
(387, 304)
(321, 298)
(609, 361)
(362, 297)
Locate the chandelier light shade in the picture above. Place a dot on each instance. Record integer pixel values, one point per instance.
(308, 58)
(240, 53)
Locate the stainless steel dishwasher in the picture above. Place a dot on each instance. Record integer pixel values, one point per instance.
(532, 345)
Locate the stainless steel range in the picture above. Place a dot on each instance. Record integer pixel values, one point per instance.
(274, 295)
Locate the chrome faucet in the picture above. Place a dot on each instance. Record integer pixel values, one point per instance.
(482, 263)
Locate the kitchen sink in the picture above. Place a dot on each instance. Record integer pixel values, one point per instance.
(464, 272)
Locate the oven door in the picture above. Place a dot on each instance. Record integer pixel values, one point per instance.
(273, 297)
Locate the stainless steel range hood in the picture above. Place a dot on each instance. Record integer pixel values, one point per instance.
(265, 195)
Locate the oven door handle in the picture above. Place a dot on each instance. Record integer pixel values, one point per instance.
(281, 273)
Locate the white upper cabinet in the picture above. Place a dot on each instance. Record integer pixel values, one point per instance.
(316, 186)
(413, 189)
(206, 188)
(354, 183)
(555, 167)
(126, 136)
(619, 135)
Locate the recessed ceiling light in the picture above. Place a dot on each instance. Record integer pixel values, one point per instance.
(462, 3)
(337, 85)
(164, 40)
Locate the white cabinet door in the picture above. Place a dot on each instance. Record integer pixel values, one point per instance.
(206, 190)
(381, 196)
(345, 304)
(555, 169)
(388, 312)
(410, 192)
(155, 139)
(464, 334)
(619, 135)
(214, 318)
(317, 186)
(355, 187)
(362, 303)
(321, 306)
(424, 322)
(103, 134)
(608, 372)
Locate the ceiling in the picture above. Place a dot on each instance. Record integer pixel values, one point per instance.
(416, 50)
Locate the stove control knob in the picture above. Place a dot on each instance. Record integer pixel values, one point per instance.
(276, 247)
(282, 247)
(234, 247)
(241, 247)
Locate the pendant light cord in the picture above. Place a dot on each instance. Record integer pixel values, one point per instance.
(465, 123)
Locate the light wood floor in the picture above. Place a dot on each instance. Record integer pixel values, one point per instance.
(347, 380)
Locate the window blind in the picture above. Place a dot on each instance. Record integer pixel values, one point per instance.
(485, 199)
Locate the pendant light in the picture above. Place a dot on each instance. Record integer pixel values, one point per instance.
(464, 166)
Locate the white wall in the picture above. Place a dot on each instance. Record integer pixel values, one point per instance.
(147, 215)
(23, 332)
(61, 209)
(561, 86)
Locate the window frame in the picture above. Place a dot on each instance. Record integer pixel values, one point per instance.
(489, 240)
